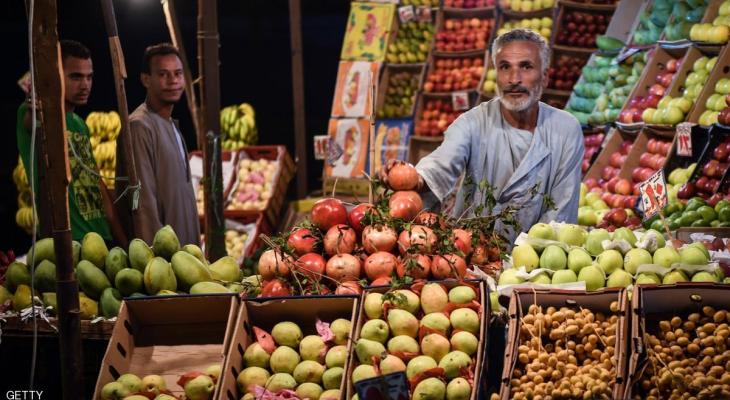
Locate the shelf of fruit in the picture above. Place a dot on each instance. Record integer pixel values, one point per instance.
(712, 166)
(399, 88)
(106, 276)
(104, 128)
(435, 115)
(542, 25)
(564, 254)
(412, 43)
(456, 5)
(651, 23)
(521, 7)
(592, 142)
(565, 72)
(714, 27)
(454, 73)
(24, 214)
(463, 34)
(578, 29)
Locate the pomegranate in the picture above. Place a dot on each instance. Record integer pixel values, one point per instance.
(340, 239)
(275, 288)
(378, 238)
(420, 237)
(274, 263)
(462, 241)
(405, 205)
(379, 264)
(357, 214)
(312, 265)
(382, 281)
(428, 219)
(349, 287)
(343, 267)
(403, 176)
(417, 266)
(302, 241)
(327, 213)
(448, 266)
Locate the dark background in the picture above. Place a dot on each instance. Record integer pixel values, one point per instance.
(255, 56)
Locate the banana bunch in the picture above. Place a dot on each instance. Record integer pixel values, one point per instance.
(238, 126)
(104, 128)
(24, 215)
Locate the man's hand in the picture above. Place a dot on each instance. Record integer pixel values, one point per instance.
(29, 112)
(385, 169)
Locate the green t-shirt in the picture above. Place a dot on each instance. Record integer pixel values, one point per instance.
(86, 210)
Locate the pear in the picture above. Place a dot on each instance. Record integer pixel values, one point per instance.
(200, 388)
(525, 256)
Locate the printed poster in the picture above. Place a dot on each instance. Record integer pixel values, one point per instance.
(367, 30)
(352, 136)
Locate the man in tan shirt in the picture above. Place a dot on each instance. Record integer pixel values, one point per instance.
(166, 196)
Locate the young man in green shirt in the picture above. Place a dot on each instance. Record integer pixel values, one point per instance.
(85, 195)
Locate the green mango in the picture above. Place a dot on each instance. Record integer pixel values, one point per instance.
(5, 295)
(158, 275)
(208, 287)
(93, 249)
(139, 254)
(21, 298)
(165, 244)
(225, 269)
(43, 251)
(49, 300)
(76, 251)
(110, 302)
(196, 251)
(92, 280)
(45, 276)
(19, 274)
(129, 281)
(116, 261)
(189, 270)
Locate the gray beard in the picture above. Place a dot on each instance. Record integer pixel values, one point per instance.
(520, 105)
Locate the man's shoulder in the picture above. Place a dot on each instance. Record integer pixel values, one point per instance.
(556, 117)
(141, 118)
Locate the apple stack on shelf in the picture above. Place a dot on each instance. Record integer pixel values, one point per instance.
(711, 98)
(709, 175)
(592, 141)
(468, 4)
(683, 17)
(525, 6)
(714, 27)
(655, 82)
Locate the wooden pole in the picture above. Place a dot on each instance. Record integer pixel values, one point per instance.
(49, 86)
(300, 127)
(210, 124)
(371, 136)
(120, 74)
(168, 7)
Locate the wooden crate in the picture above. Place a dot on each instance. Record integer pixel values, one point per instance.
(721, 70)
(390, 69)
(226, 156)
(480, 13)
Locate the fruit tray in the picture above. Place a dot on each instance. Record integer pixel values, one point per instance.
(476, 5)
(640, 155)
(284, 173)
(264, 314)
(444, 71)
(523, 299)
(482, 297)
(587, 24)
(142, 342)
(612, 144)
(435, 113)
(720, 71)
(447, 25)
(251, 225)
(391, 72)
(717, 136)
(229, 163)
(700, 137)
(597, 5)
(652, 303)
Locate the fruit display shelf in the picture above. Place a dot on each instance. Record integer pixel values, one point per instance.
(603, 167)
(713, 29)
(565, 70)
(540, 346)
(688, 313)
(711, 172)
(241, 235)
(656, 80)
(229, 161)
(699, 137)
(434, 113)
(598, 5)
(539, 21)
(457, 5)
(464, 31)
(578, 27)
(279, 181)
(709, 103)
(411, 41)
(592, 142)
(283, 343)
(423, 326)
(398, 90)
(525, 7)
(453, 73)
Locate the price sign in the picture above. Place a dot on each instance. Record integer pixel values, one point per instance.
(684, 139)
(334, 151)
(423, 14)
(653, 194)
(460, 101)
(321, 145)
(406, 13)
(385, 387)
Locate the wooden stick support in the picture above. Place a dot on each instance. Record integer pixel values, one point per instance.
(371, 164)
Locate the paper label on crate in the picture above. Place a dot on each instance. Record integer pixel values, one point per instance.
(653, 194)
(321, 146)
(387, 387)
(334, 151)
(423, 14)
(460, 101)
(684, 139)
(406, 13)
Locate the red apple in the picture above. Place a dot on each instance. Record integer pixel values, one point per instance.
(625, 146)
(591, 183)
(687, 190)
(657, 90)
(623, 186)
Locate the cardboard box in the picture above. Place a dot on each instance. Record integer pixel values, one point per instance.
(352, 136)
(266, 313)
(721, 70)
(653, 303)
(353, 91)
(639, 148)
(598, 301)
(611, 144)
(625, 19)
(368, 30)
(479, 370)
(169, 336)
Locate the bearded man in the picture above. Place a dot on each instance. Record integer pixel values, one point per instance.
(512, 150)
